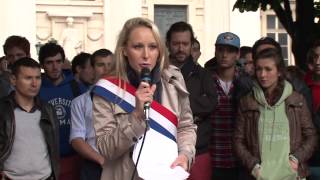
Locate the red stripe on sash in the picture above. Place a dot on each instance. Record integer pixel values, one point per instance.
(154, 105)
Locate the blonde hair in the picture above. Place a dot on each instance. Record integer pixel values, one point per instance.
(121, 60)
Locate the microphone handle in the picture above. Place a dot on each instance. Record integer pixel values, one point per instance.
(146, 110)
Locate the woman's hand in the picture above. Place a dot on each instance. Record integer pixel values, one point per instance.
(4, 65)
(293, 165)
(181, 160)
(143, 94)
(256, 171)
(101, 160)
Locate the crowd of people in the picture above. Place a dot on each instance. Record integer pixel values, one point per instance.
(150, 110)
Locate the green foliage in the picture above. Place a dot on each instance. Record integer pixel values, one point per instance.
(253, 5)
(317, 9)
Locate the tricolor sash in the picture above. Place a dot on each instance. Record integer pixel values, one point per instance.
(160, 146)
(121, 93)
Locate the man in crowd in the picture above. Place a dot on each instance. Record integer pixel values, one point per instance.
(82, 69)
(225, 76)
(312, 78)
(59, 88)
(14, 48)
(246, 59)
(82, 135)
(28, 128)
(195, 50)
(202, 91)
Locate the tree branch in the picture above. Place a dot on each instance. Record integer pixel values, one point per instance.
(284, 18)
(288, 11)
(305, 12)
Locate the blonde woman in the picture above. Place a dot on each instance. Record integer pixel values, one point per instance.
(118, 129)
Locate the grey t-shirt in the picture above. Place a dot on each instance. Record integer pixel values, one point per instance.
(29, 158)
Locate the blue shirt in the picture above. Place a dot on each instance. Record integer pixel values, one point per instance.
(60, 96)
(82, 119)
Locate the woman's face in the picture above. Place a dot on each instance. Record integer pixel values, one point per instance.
(316, 61)
(141, 50)
(267, 73)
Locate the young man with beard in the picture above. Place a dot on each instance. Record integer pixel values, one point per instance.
(59, 88)
(203, 96)
(28, 128)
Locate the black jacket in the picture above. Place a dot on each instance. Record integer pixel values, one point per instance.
(5, 87)
(242, 81)
(48, 125)
(203, 100)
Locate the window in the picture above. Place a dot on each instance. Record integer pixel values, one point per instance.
(166, 15)
(272, 27)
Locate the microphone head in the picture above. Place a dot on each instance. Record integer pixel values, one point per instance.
(145, 75)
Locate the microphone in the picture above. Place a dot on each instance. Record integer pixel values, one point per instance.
(145, 76)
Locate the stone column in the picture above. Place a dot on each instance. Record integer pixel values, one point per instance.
(18, 18)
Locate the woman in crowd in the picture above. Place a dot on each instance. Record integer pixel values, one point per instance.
(274, 135)
(118, 129)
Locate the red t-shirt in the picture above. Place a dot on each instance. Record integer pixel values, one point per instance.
(315, 88)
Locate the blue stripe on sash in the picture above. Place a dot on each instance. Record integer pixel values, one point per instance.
(157, 127)
(109, 96)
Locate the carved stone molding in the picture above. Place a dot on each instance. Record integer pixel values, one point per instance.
(94, 34)
(61, 13)
(88, 22)
(43, 34)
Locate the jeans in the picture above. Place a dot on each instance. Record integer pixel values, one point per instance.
(90, 171)
(314, 173)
